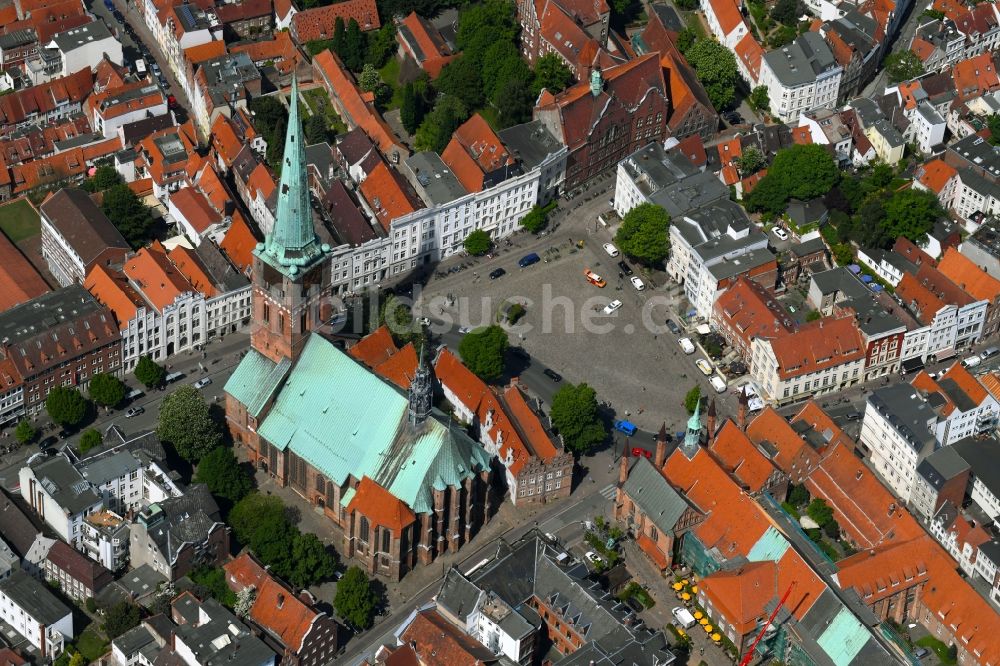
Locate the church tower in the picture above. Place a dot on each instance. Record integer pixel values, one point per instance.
(291, 269)
(692, 438)
(421, 391)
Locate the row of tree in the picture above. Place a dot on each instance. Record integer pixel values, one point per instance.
(122, 206)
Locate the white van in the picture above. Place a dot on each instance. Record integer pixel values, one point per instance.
(972, 361)
(140, 67)
(718, 383)
(686, 345)
(684, 618)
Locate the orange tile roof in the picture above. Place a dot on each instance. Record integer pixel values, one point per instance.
(463, 166)
(381, 507)
(44, 98)
(742, 594)
(155, 276)
(20, 281)
(141, 186)
(727, 13)
(224, 139)
(239, 243)
(202, 52)
(729, 175)
(281, 51)
(877, 574)
(922, 48)
(820, 421)
(729, 150)
(737, 454)
(319, 22)
(928, 291)
(968, 276)
(437, 641)
(771, 427)
(483, 144)
(360, 113)
(693, 148)
(261, 181)
(649, 547)
(965, 381)
(975, 76)
(432, 51)
(375, 348)
(934, 175)
(530, 427)
(8, 13)
(275, 607)
(968, 616)
(112, 289)
(101, 103)
(190, 266)
(751, 53)
(749, 311)
(48, 170)
(388, 195)
(211, 185)
(801, 136)
(194, 207)
(818, 345)
(400, 368)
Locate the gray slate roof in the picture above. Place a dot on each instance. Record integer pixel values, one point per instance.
(942, 465)
(654, 496)
(64, 483)
(908, 415)
(34, 597)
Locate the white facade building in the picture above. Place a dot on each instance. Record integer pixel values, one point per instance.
(801, 76)
(57, 492)
(85, 46)
(36, 614)
(898, 430)
(725, 21)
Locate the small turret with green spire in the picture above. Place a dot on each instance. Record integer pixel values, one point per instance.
(692, 438)
(292, 246)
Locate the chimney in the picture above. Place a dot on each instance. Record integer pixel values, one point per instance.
(623, 468)
(661, 447)
(710, 420)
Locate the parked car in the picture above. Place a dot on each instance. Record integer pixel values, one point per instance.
(612, 307)
(637, 283)
(464, 329)
(704, 366)
(593, 558)
(972, 361)
(528, 260)
(625, 268)
(673, 328)
(496, 273)
(684, 617)
(51, 440)
(611, 249)
(594, 279)
(780, 233)
(686, 345)
(718, 383)
(203, 382)
(134, 411)
(625, 427)
(989, 352)
(552, 374)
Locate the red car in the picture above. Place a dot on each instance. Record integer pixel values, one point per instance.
(171, 101)
(638, 451)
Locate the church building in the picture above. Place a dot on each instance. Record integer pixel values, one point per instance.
(401, 481)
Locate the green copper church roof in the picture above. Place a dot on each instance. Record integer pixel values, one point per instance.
(346, 421)
(292, 244)
(255, 380)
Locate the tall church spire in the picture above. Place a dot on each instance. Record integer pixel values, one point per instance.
(692, 438)
(421, 396)
(292, 245)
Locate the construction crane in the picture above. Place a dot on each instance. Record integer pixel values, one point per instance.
(753, 646)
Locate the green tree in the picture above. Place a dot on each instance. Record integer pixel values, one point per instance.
(438, 126)
(759, 100)
(575, 416)
(381, 44)
(483, 24)
(643, 234)
(25, 432)
(716, 69)
(411, 110)
(77, 660)
(477, 243)
(686, 39)
(535, 220)
(513, 102)
(356, 599)
(820, 511)
(276, 144)
(90, 439)
(259, 522)
(787, 11)
(149, 372)
(312, 563)
(315, 129)
(221, 472)
(369, 79)
(462, 79)
(798, 495)
(814, 315)
(354, 47)
(993, 122)
(800, 172)
(339, 36)
(211, 582)
(104, 177)
(482, 352)
(692, 399)
(186, 423)
(129, 215)
(552, 74)
(832, 529)
(501, 63)
(106, 390)
(903, 66)
(910, 213)
(750, 162)
(120, 617)
(66, 406)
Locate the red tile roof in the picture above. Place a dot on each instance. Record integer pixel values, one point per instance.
(243, 10)
(88, 573)
(437, 641)
(693, 148)
(239, 243)
(19, 106)
(375, 348)
(190, 266)
(818, 345)
(155, 276)
(195, 209)
(750, 53)
(727, 13)
(975, 76)
(400, 368)
(771, 427)
(478, 140)
(934, 175)
(432, 52)
(968, 276)
(737, 454)
(112, 289)
(381, 507)
(318, 23)
(388, 195)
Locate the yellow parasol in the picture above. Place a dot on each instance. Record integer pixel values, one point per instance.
(709, 629)
(716, 637)
(694, 589)
(678, 587)
(684, 582)
(698, 615)
(703, 621)
(686, 597)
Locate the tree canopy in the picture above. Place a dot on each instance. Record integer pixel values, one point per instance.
(90, 439)
(750, 162)
(800, 172)
(575, 415)
(643, 234)
(437, 127)
(25, 432)
(185, 422)
(552, 74)
(537, 218)
(903, 66)
(129, 215)
(356, 600)
(477, 243)
(106, 390)
(149, 372)
(211, 582)
(104, 177)
(66, 406)
(692, 399)
(910, 213)
(716, 69)
(121, 617)
(482, 351)
(221, 472)
(787, 12)
(759, 99)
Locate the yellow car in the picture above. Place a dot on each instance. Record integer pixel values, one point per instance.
(594, 279)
